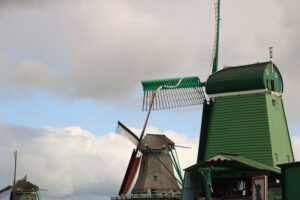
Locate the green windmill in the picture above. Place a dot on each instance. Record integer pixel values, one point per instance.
(244, 130)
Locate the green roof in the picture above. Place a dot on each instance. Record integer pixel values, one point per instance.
(244, 78)
(250, 162)
(239, 159)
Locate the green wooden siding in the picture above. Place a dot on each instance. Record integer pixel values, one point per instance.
(275, 76)
(280, 138)
(249, 126)
(292, 181)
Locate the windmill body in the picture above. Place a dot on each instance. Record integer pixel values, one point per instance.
(24, 190)
(244, 133)
(246, 115)
(154, 158)
(153, 177)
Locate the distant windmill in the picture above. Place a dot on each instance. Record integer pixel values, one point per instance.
(156, 173)
(22, 189)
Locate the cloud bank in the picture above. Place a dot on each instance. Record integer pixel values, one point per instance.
(72, 163)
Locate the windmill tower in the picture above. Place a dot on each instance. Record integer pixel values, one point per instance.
(156, 175)
(22, 189)
(246, 115)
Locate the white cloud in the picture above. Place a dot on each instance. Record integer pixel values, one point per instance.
(296, 147)
(72, 163)
(108, 43)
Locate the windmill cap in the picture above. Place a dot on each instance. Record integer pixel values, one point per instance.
(245, 78)
(25, 186)
(156, 142)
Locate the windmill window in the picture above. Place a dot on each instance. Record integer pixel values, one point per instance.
(276, 157)
(267, 72)
(275, 104)
(272, 85)
(155, 178)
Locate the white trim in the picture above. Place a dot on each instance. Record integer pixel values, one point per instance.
(244, 92)
(277, 94)
(237, 93)
(218, 157)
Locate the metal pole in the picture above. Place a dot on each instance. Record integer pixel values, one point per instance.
(161, 162)
(145, 125)
(15, 171)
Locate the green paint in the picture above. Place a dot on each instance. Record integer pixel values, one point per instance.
(271, 73)
(187, 82)
(175, 164)
(204, 131)
(292, 182)
(206, 179)
(244, 78)
(24, 195)
(239, 159)
(249, 125)
(163, 164)
(274, 195)
(278, 128)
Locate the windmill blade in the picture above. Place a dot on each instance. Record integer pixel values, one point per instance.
(184, 147)
(5, 189)
(123, 130)
(130, 172)
(173, 92)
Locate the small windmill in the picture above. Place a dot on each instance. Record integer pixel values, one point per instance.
(157, 161)
(21, 189)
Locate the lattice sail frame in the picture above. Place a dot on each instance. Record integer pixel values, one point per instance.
(188, 91)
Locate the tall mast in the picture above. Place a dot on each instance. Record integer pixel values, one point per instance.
(15, 169)
(217, 35)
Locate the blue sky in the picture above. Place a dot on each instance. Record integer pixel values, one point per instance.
(48, 110)
(69, 70)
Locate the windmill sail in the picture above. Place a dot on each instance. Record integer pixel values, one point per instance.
(123, 130)
(5, 190)
(135, 159)
(173, 93)
(130, 172)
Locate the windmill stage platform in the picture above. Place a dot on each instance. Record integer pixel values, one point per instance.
(149, 196)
